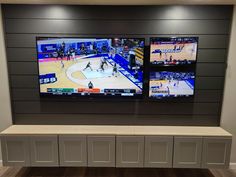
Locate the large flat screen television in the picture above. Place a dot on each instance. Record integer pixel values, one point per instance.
(173, 51)
(171, 84)
(90, 66)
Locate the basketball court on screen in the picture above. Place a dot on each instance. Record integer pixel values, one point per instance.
(73, 74)
(170, 87)
(186, 51)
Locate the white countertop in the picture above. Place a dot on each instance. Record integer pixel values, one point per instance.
(114, 130)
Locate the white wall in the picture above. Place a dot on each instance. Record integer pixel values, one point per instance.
(5, 107)
(228, 117)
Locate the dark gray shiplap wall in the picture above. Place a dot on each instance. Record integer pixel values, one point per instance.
(210, 23)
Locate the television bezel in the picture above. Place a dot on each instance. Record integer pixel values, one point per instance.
(172, 68)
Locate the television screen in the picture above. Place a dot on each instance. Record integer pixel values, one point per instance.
(171, 84)
(173, 51)
(90, 66)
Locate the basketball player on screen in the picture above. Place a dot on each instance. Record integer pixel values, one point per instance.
(62, 64)
(136, 72)
(160, 54)
(104, 61)
(68, 54)
(88, 66)
(115, 70)
(73, 53)
(101, 66)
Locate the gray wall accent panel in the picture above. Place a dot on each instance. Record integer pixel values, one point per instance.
(212, 55)
(107, 108)
(92, 12)
(117, 26)
(111, 119)
(23, 23)
(22, 54)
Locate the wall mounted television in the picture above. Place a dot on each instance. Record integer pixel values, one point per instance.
(173, 51)
(90, 66)
(166, 84)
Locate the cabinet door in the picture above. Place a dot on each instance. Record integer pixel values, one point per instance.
(101, 151)
(15, 151)
(129, 151)
(187, 152)
(158, 151)
(73, 150)
(216, 152)
(44, 150)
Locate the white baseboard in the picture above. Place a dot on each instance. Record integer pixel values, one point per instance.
(0, 163)
(232, 165)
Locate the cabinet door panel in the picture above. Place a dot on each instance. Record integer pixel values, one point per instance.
(216, 152)
(44, 150)
(73, 150)
(129, 151)
(101, 151)
(15, 151)
(187, 152)
(158, 151)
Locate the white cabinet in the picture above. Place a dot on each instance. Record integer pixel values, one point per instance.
(129, 151)
(15, 150)
(44, 150)
(73, 150)
(187, 152)
(109, 150)
(101, 151)
(158, 151)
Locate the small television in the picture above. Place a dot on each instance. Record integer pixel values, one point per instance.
(171, 84)
(90, 66)
(173, 51)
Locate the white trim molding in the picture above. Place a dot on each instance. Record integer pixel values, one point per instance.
(232, 165)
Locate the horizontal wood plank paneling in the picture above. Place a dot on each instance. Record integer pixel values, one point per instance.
(22, 54)
(179, 108)
(24, 81)
(72, 107)
(118, 12)
(117, 27)
(23, 68)
(214, 83)
(23, 23)
(108, 108)
(211, 69)
(109, 119)
(212, 55)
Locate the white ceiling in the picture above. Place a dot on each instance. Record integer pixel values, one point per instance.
(119, 2)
